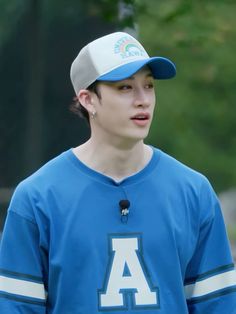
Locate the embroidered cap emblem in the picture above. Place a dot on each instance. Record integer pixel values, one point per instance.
(127, 47)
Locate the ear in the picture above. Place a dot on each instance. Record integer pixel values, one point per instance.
(85, 98)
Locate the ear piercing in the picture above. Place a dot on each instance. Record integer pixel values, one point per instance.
(93, 114)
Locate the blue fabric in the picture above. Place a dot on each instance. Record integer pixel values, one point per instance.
(161, 68)
(61, 219)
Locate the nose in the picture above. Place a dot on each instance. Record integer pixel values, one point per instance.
(141, 98)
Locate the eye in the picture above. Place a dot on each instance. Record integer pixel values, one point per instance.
(124, 87)
(149, 86)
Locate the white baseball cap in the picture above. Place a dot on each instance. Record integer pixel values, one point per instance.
(115, 57)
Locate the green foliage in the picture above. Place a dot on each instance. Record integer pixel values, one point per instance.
(196, 114)
(232, 233)
(11, 12)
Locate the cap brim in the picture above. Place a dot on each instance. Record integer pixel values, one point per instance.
(162, 68)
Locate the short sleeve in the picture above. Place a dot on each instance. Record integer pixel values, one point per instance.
(22, 288)
(210, 280)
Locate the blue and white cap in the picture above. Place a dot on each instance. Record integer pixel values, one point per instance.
(115, 57)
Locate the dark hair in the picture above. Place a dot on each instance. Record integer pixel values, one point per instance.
(76, 106)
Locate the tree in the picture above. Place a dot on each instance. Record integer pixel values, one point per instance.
(195, 118)
(37, 31)
(38, 40)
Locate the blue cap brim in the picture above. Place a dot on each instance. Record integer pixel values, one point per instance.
(162, 68)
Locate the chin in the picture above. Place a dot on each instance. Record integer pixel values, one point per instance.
(139, 135)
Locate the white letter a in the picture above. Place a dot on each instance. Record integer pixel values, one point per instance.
(126, 258)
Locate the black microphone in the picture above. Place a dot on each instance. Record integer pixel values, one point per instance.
(124, 205)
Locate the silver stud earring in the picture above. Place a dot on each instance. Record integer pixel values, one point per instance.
(93, 114)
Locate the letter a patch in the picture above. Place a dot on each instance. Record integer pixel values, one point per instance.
(127, 283)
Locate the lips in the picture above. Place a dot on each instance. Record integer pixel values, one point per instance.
(141, 116)
(141, 119)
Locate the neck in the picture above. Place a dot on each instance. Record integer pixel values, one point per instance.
(116, 162)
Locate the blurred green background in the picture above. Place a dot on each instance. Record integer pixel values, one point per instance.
(195, 118)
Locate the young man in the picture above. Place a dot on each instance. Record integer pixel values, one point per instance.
(115, 225)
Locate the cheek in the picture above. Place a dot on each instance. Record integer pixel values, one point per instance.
(153, 101)
(115, 106)
(154, 97)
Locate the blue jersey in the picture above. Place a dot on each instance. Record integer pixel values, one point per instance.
(66, 248)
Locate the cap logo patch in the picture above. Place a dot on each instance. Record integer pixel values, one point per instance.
(127, 47)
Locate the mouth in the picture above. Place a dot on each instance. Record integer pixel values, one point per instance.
(141, 119)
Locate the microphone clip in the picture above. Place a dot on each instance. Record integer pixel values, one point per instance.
(124, 210)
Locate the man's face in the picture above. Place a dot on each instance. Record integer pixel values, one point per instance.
(125, 109)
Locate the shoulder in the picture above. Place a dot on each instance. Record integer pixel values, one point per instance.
(38, 185)
(187, 180)
(52, 170)
(182, 183)
(182, 177)
(175, 168)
